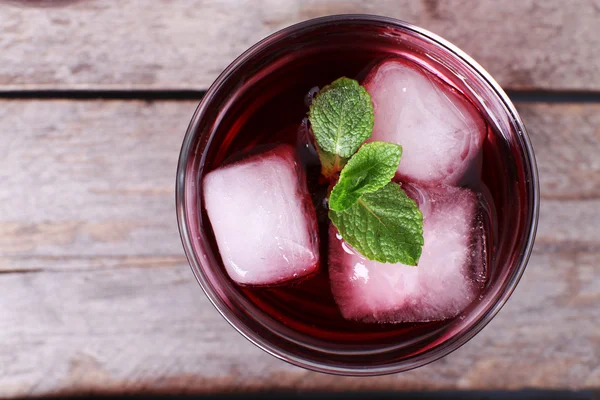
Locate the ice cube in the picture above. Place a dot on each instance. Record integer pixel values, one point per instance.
(440, 131)
(263, 219)
(447, 279)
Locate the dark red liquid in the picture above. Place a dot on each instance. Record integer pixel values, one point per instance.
(273, 117)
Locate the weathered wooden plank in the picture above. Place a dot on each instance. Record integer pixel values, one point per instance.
(184, 44)
(91, 183)
(566, 139)
(152, 330)
(109, 303)
(89, 180)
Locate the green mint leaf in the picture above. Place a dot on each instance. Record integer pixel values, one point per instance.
(341, 116)
(370, 169)
(385, 226)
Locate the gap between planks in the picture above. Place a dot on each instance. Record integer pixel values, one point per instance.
(521, 96)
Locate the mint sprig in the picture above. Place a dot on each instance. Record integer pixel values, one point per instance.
(373, 214)
(370, 169)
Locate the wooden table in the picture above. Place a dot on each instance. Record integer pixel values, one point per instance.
(95, 292)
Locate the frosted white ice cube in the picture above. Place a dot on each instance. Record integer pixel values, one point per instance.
(440, 131)
(263, 218)
(448, 278)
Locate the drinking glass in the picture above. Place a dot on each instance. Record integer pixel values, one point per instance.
(321, 47)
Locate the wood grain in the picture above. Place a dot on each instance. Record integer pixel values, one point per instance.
(97, 295)
(184, 44)
(152, 330)
(566, 139)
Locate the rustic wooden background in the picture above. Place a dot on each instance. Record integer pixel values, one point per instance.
(95, 292)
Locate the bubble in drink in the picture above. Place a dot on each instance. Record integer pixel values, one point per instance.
(263, 219)
(440, 131)
(446, 280)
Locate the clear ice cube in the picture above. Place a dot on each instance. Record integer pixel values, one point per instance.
(263, 218)
(449, 275)
(440, 131)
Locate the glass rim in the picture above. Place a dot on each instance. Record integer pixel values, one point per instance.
(532, 186)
